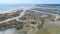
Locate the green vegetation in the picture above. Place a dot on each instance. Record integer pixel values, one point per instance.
(51, 17)
(42, 31)
(20, 27)
(24, 18)
(33, 22)
(49, 30)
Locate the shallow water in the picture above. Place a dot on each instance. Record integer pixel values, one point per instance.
(10, 31)
(4, 7)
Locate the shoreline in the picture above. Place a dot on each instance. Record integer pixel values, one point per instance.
(12, 10)
(7, 11)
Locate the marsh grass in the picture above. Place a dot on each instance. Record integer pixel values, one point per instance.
(49, 30)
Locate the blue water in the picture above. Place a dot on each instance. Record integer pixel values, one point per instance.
(49, 5)
(4, 7)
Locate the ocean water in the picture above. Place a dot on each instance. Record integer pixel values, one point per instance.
(49, 5)
(4, 7)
